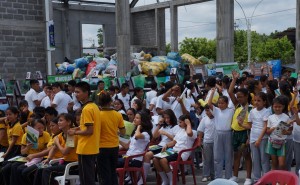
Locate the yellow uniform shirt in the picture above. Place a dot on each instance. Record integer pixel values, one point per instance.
(58, 153)
(4, 140)
(252, 100)
(42, 143)
(235, 125)
(89, 145)
(295, 102)
(72, 156)
(16, 130)
(111, 122)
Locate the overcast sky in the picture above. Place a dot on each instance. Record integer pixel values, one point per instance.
(199, 20)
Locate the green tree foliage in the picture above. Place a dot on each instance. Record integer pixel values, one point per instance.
(100, 36)
(276, 49)
(168, 48)
(241, 45)
(198, 47)
(263, 47)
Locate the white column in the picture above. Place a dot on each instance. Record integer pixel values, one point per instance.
(297, 54)
(48, 53)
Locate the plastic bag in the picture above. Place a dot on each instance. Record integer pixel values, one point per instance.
(90, 66)
(174, 56)
(155, 67)
(203, 60)
(159, 59)
(190, 59)
(101, 60)
(81, 62)
(173, 63)
(147, 57)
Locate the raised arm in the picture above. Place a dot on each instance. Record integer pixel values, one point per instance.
(295, 93)
(235, 76)
(209, 103)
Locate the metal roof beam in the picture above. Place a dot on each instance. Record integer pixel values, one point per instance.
(166, 4)
(133, 3)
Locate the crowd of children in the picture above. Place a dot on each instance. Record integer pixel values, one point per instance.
(238, 118)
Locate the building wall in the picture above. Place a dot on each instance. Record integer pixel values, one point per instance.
(22, 38)
(75, 19)
(143, 28)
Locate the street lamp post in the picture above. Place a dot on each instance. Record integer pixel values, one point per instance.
(248, 23)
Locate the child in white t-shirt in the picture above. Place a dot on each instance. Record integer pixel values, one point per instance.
(257, 120)
(184, 139)
(223, 136)
(277, 136)
(207, 129)
(166, 129)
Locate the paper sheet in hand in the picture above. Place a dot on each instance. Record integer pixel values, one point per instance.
(154, 147)
(18, 159)
(167, 153)
(280, 127)
(70, 141)
(1, 158)
(32, 136)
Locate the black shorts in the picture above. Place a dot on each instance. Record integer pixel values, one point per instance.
(156, 151)
(172, 157)
(239, 140)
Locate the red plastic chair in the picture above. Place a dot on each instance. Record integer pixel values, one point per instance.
(278, 176)
(132, 170)
(180, 163)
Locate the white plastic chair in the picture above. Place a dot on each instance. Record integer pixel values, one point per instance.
(62, 179)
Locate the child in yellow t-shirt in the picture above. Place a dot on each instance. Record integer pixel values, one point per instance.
(3, 133)
(28, 148)
(14, 134)
(65, 146)
(88, 134)
(26, 174)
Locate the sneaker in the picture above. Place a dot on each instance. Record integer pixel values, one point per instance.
(248, 182)
(234, 178)
(201, 165)
(205, 179)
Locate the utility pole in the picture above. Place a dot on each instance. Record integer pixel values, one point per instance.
(248, 23)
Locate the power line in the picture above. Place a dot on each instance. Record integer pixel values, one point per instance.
(270, 13)
(208, 23)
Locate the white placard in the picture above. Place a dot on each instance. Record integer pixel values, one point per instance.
(38, 75)
(95, 73)
(173, 71)
(28, 75)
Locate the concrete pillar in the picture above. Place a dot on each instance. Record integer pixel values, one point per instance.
(225, 31)
(174, 27)
(297, 54)
(160, 28)
(123, 36)
(66, 31)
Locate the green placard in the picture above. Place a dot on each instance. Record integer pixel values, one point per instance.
(24, 86)
(107, 82)
(228, 68)
(121, 80)
(10, 86)
(139, 81)
(160, 80)
(59, 78)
